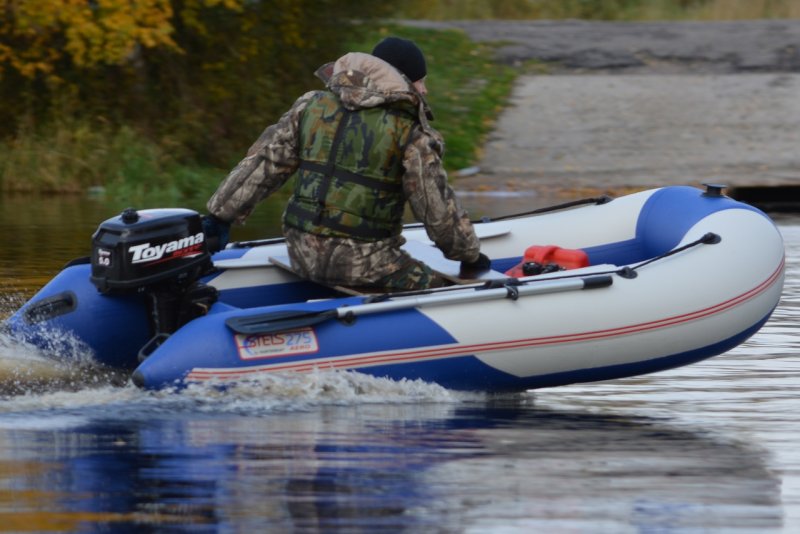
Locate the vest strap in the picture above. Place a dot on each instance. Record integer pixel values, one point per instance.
(321, 218)
(330, 167)
(348, 176)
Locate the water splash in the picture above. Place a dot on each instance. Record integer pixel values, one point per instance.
(62, 363)
(31, 382)
(59, 373)
(298, 391)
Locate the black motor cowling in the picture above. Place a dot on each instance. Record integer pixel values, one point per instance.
(161, 254)
(138, 249)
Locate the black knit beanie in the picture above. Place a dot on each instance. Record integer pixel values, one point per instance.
(403, 55)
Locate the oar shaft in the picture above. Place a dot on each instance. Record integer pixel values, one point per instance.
(283, 320)
(422, 301)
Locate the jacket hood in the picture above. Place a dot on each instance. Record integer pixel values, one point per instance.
(361, 80)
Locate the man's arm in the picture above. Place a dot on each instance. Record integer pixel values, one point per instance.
(433, 201)
(269, 163)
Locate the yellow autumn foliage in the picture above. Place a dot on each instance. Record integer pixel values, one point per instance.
(198, 78)
(35, 35)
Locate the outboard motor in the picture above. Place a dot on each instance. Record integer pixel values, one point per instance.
(161, 254)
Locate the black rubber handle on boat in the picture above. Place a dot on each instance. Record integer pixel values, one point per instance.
(595, 282)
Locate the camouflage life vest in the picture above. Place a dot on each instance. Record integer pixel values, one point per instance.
(349, 182)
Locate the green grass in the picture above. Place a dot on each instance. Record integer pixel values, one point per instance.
(82, 156)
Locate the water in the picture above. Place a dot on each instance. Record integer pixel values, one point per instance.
(708, 447)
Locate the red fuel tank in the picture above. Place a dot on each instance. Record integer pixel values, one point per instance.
(539, 259)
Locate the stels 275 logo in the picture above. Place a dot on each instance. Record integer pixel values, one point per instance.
(185, 247)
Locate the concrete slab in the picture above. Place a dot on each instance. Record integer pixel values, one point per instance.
(646, 130)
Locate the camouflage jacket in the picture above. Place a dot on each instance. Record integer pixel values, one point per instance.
(359, 81)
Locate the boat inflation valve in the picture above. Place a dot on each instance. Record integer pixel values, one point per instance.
(714, 190)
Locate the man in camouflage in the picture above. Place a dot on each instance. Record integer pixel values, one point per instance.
(360, 150)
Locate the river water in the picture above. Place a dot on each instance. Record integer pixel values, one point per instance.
(708, 447)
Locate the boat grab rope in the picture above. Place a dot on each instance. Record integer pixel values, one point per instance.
(505, 288)
(604, 199)
(629, 272)
(708, 239)
(566, 205)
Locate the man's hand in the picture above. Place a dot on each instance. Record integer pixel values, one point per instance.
(217, 232)
(482, 264)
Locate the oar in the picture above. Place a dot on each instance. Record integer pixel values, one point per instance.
(279, 321)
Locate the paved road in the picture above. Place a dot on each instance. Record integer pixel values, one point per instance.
(633, 105)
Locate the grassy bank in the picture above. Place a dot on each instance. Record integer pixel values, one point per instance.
(467, 91)
(79, 156)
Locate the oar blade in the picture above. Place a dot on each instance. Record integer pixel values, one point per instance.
(279, 321)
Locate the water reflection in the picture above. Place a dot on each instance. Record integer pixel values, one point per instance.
(593, 472)
(413, 467)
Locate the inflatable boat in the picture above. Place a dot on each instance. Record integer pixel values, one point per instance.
(594, 290)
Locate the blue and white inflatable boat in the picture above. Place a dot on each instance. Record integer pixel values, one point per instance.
(674, 275)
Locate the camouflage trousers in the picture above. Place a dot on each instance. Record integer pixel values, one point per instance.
(415, 275)
(374, 266)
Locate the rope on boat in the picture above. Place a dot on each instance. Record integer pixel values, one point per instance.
(510, 288)
(593, 200)
(708, 239)
(605, 199)
(629, 271)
